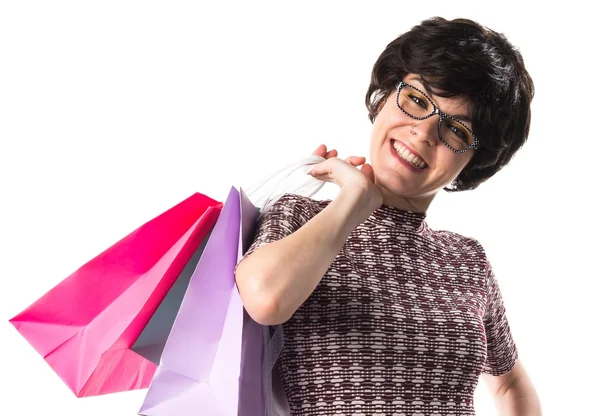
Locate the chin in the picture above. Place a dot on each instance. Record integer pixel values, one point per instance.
(395, 184)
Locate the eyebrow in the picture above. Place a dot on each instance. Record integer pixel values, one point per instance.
(461, 117)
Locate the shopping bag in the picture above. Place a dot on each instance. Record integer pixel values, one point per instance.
(212, 361)
(232, 355)
(151, 342)
(84, 326)
(290, 179)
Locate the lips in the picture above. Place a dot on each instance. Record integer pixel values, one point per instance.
(409, 156)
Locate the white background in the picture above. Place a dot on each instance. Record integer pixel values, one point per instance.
(111, 112)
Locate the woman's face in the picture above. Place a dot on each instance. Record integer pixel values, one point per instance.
(406, 185)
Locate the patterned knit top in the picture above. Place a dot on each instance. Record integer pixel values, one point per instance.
(403, 322)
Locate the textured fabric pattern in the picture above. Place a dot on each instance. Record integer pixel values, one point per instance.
(403, 322)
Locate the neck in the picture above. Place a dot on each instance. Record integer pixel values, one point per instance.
(416, 204)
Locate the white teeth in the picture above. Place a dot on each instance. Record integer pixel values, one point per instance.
(405, 154)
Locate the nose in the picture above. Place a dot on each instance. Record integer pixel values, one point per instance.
(426, 130)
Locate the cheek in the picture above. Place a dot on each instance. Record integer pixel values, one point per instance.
(385, 121)
(379, 121)
(459, 166)
(377, 134)
(450, 164)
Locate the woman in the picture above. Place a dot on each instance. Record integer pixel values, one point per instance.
(382, 314)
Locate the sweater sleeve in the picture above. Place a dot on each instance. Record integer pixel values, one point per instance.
(502, 351)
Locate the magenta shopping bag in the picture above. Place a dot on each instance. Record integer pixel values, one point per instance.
(211, 364)
(84, 327)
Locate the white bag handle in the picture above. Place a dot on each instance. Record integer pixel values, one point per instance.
(292, 178)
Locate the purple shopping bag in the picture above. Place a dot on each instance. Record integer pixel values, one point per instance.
(211, 364)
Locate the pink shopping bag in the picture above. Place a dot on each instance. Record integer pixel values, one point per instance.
(84, 326)
(212, 361)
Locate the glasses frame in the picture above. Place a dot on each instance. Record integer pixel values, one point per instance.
(442, 115)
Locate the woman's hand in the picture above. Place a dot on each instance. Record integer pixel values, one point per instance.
(345, 174)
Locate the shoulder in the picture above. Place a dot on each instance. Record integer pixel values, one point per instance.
(466, 249)
(458, 242)
(469, 253)
(294, 204)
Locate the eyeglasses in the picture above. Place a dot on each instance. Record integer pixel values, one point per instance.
(451, 131)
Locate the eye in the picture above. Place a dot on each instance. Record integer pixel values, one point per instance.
(457, 131)
(420, 101)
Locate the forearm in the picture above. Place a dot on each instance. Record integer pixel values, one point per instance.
(278, 277)
(519, 400)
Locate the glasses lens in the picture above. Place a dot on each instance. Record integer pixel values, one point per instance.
(456, 134)
(413, 102)
(453, 132)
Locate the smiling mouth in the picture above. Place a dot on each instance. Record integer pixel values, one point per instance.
(408, 156)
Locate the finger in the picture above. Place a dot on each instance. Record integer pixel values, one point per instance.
(368, 171)
(331, 153)
(319, 172)
(356, 160)
(320, 151)
(318, 169)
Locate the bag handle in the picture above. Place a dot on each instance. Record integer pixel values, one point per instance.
(293, 178)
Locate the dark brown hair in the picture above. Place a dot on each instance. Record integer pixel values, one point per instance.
(461, 58)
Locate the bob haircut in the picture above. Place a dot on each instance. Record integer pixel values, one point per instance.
(461, 58)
